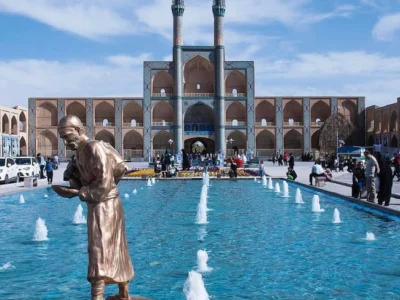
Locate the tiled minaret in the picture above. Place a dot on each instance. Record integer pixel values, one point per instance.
(178, 8)
(219, 13)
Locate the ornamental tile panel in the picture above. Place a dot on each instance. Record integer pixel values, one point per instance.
(118, 125)
(279, 125)
(89, 118)
(61, 114)
(306, 122)
(32, 126)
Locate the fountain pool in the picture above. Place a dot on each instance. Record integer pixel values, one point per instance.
(259, 245)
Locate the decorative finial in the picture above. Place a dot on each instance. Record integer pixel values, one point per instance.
(178, 7)
(219, 8)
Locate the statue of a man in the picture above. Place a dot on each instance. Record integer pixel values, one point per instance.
(93, 176)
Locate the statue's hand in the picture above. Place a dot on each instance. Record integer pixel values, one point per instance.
(65, 191)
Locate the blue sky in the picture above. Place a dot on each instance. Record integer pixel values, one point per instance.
(67, 48)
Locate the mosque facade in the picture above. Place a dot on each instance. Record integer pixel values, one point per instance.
(199, 97)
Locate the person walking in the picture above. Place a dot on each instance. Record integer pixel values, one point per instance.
(371, 170)
(42, 164)
(49, 170)
(385, 181)
(291, 161)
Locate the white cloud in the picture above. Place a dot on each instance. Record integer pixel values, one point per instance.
(90, 19)
(127, 61)
(386, 28)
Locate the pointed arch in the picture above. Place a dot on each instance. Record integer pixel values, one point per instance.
(78, 110)
(105, 136)
(22, 147)
(293, 140)
(133, 111)
(393, 122)
(239, 143)
(385, 122)
(5, 123)
(47, 143)
(22, 122)
(236, 111)
(163, 113)
(199, 76)
(320, 110)
(265, 111)
(349, 111)
(104, 111)
(14, 125)
(265, 140)
(133, 144)
(163, 82)
(160, 141)
(293, 111)
(235, 81)
(47, 115)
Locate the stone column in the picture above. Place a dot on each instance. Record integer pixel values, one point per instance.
(32, 126)
(279, 125)
(61, 114)
(334, 106)
(306, 125)
(89, 118)
(178, 85)
(118, 126)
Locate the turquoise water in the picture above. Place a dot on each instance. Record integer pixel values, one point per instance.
(260, 245)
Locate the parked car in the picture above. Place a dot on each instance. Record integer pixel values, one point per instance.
(27, 166)
(8, 170)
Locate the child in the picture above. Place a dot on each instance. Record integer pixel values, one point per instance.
(49, 171)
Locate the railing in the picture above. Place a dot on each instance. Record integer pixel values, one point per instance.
(160, 95)
(319, 124)
(129, 125)
(206, 133)
(198, 95)
(233, 152)
(235, 95)
(162, 123)
(133, 153)
(266, 124)
(239, 123)
(292, 123)
(265, 152)
(109, 124)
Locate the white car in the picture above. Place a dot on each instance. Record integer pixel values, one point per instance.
(27, 166)
(8, 170)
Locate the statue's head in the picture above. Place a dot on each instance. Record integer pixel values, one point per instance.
(71, 130)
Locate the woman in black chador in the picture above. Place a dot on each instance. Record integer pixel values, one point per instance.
(385, 182)
(185, 161)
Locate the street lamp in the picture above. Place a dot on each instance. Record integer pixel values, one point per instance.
(170, 141)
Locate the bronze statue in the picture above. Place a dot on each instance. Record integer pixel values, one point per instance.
(93, 176)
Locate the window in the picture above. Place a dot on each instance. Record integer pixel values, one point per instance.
(234, 92)
(163, 93)
(198, 86)
(263, 122)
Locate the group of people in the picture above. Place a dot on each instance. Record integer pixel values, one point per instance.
(47, 165)
(283, 159)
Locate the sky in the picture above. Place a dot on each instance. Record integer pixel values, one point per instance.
(92, 48)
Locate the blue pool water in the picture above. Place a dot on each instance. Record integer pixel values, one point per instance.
(260, 245)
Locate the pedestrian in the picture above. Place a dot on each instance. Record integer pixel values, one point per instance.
(49, 170)
(261, 169)
(371, 170)
(291, 161)
(385, 182)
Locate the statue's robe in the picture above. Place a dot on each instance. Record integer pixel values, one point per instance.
(99, 168)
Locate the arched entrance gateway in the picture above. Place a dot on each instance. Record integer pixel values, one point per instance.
(199, 127)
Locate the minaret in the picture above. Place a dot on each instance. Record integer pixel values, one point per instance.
(219, 13)
(178, 8)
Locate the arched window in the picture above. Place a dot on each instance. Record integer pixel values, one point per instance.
(291, 122)
(133, 123)
(263, 122)
(163, 93)
(234, 92)
(105, 122)
(234, 122)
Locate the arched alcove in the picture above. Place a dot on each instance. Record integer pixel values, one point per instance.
(393, 122)
(160, 141)
(163, 114)
(105, 136)
(394, 142)
(199, 76)
(349, 111)
(235, 83)
(385, 122)
(47, 143)
(46, 115)
(14, 125)
(293, 140)
(22, 122)
(163, 84)
(133, 145)
(320, 110)
(265, 140)
(23, 151)
(78, 110)
(293, 110)
(5, 124)
(104, 111)
(236, 111)
(133, 111)
(238, 144)
(199, 117)
(265, 111)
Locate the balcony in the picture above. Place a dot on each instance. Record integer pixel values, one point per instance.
(129, 153)
(199, 95)
(162, 123)
(265, 124)
(161, 95)
(292, 123)
(100, 124)
(265, 152)
(237, 123)
(236, 95)
(317, 124)
(199, 129)
(131, 125)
